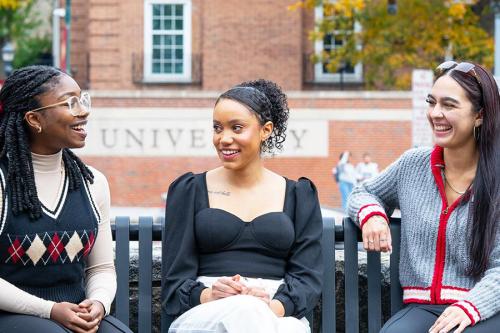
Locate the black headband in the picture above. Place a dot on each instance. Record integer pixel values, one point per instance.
(253, 98)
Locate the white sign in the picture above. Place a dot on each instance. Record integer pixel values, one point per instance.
(422, 81)
(182, 132)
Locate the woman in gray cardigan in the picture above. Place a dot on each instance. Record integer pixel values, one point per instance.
(448, 197)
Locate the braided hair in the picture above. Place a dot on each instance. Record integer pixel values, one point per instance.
(17, 96)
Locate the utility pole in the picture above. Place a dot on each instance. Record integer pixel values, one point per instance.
(57, 14)
(68, 36)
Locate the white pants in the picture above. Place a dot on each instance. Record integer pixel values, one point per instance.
(238, 314)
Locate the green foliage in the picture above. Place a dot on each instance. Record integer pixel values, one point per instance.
(17, 22)
(16, 19)
(419, 35)
(29, 51)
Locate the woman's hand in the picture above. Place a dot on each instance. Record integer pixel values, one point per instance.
(93, 310)
(223, 287)
(377, 235)
(277, 307)
(258, 292)
(451, 317)
(68, 315)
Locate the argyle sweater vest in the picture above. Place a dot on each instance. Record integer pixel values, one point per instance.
(46, 257)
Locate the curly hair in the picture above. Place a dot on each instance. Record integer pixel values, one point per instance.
(17, 96)
(266, 99)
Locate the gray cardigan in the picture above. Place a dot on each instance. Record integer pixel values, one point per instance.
(434, 234)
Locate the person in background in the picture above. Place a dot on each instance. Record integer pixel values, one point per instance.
(345, 173)
(450, 217)
(366, 169)
(56, 258)
(242, 242)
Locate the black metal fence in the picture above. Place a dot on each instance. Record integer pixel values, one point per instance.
(149, 229)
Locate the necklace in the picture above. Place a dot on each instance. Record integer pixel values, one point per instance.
(451, 186)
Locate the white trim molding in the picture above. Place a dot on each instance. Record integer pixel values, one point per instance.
(319, 74)
(149, 76)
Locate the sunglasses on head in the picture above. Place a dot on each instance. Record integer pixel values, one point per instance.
(464, 67)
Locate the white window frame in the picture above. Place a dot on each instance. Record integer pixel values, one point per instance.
(319, 75)
(149, 76)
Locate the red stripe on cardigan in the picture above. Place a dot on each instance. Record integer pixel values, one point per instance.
(373, 214)
(369, 205)
(437, 162)
(455, 288)
(474, 307)
(464, 309)
(379, 213)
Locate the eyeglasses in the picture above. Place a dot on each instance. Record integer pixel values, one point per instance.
(464, 67)
(77, 106)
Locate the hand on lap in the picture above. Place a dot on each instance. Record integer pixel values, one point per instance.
(451, 318)
(223, 287)
(69, 315)
(95, 310)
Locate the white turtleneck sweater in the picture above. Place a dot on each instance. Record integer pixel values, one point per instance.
(100, 276)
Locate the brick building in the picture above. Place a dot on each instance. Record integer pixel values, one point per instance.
(155, 68)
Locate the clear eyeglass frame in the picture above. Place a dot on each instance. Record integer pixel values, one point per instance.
(77, 106)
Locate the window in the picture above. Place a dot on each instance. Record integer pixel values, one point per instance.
(167, 41)
(331, 41)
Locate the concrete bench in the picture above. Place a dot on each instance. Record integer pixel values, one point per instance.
(347, 235)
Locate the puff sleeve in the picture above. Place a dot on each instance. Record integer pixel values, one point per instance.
(302, 287)
(180, 290)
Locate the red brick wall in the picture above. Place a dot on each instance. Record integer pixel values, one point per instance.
(244, 40)
(79, 42)
(233, 41)
(107, 43)
(140, 181)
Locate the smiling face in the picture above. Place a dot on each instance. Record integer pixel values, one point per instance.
(238, 134)
(451, 115)
(59, 128)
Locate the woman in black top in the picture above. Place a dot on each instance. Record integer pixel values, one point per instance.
(242, 242)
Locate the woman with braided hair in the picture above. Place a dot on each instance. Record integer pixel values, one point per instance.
(56, 261)
(243, 243)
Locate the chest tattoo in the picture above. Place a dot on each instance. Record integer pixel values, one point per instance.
(226, 193)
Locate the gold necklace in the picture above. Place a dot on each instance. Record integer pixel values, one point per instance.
(451, 186)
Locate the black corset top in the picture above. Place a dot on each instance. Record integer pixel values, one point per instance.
(270, 234)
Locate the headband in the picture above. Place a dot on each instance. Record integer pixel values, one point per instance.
(253, 98)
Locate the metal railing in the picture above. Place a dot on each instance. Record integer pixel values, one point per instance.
(149, 229)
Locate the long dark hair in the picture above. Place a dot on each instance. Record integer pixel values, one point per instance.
(482, 91)
(17, 96)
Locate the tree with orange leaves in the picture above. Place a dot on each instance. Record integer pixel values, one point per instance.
(390, 43)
